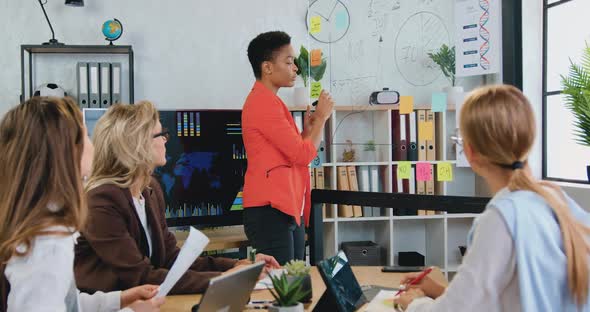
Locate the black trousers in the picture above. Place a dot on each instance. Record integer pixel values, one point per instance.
(274, 233)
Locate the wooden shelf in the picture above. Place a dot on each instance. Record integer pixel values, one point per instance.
(358, 163)
(461, 215)
(367, 107)
(81, 49)
(358, 219)
(427, 217)
(383, 163)
(219, 238)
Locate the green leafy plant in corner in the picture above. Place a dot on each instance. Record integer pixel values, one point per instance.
(305, 70)
(445, 59)
(297, 268)
(287, 294)
(576, 88)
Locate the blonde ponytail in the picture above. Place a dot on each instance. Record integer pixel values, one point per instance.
(574, 233)
(498, 123)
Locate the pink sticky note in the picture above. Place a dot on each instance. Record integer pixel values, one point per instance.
(423, 172)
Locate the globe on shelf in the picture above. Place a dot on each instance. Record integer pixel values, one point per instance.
(112, 30)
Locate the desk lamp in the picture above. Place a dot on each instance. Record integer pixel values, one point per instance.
(53, 41)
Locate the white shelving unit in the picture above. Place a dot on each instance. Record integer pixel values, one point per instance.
(437, 237)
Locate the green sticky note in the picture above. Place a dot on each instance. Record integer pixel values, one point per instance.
(403, 170)
(315, 24)
(316, 89)
(444, 172)
(439, 102)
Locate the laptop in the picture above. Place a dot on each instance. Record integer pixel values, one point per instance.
(343, 292)
(230, 292)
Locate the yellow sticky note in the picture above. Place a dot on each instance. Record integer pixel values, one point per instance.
(444, 171)
(316, 57)
(425, 131)
(316, 89)
(406, 104)
(315, 24)
(403, 169)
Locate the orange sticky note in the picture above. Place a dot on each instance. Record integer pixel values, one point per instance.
(423, 172)
(425, 131)
(406, 104)
(444, 171)
(316, 57)
(315, 24)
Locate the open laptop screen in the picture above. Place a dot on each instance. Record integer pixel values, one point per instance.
(341, 282)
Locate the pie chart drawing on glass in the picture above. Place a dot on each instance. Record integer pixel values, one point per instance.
(422, 33)
(331, 18)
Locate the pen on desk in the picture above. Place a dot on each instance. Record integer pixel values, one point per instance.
(257, 307)
(261, 302)
(416, 280)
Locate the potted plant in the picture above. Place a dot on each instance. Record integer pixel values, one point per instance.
(287, 294)
(576, 89)
(371, 148)
(306, 72)
(297, 269)
(445, 59)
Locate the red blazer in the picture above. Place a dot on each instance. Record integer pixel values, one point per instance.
(278, 157)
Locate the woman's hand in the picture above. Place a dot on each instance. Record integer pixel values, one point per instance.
(404, 300)
(152, 305)
(325, 106)
(269, 262)
(430, 287)
(143, 292)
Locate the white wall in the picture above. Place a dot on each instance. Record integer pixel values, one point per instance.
(532, 67)
(188, 53)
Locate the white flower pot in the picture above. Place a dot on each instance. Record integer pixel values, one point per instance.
(296, 308)
(301, 96)
(454, 94)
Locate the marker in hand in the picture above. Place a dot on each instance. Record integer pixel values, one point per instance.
(415, 281)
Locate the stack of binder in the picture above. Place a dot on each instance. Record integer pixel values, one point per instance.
(99, 84)
(409, 140)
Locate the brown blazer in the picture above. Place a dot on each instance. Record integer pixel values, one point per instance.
(112, 253)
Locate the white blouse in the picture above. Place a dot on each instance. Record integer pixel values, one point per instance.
(44, 279)
(140, 208)
(487, 280)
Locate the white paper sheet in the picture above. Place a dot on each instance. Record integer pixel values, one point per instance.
(383, 302)
(192, 248)
(266, 283)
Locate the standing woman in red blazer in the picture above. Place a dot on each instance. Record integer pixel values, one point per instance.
(277, 188)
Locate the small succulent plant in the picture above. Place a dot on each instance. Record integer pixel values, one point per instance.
(287, 293)
(296, 268)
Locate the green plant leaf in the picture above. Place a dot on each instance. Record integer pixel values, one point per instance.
(317, 72)
(302, 63)
(303, 53)
(287, 293)
(445, 59)
(576, 94)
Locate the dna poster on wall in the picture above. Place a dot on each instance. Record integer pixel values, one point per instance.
(478, 37)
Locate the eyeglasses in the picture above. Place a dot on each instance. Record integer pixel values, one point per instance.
(165, 134)
(457, 140)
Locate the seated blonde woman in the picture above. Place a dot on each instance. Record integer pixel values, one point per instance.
(126, 241)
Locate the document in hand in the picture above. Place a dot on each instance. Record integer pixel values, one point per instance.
(192, 248)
